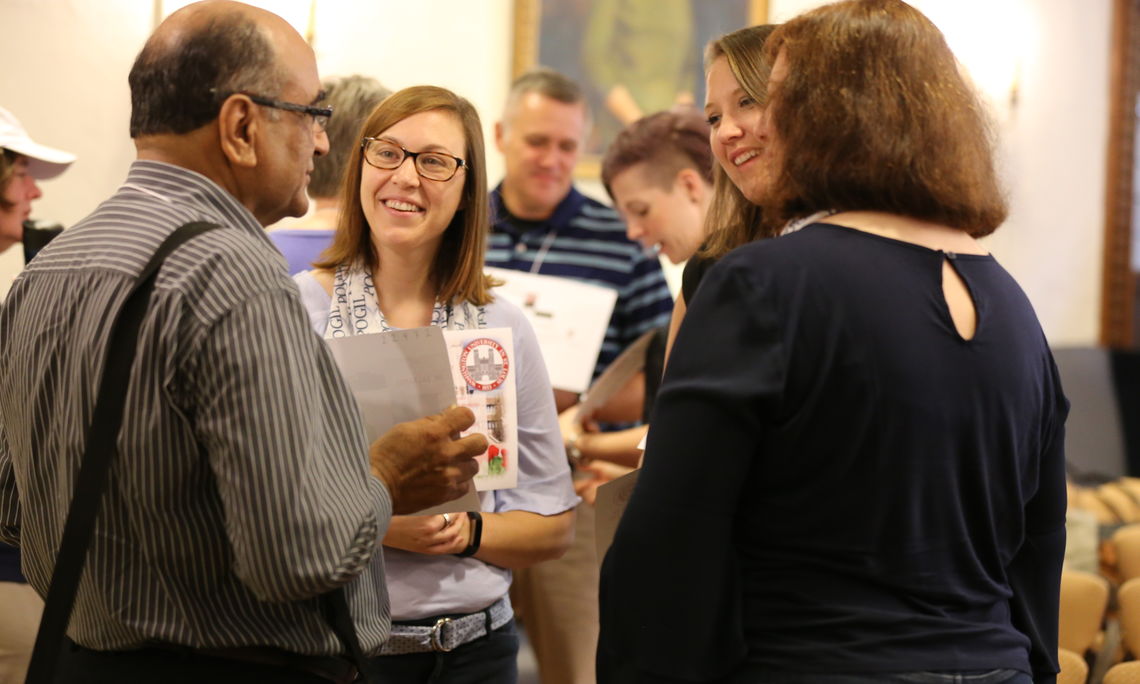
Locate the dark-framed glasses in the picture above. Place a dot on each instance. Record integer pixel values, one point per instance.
(320, 115)
(387, 155)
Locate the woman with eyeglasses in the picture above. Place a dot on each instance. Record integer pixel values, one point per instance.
(409, 243)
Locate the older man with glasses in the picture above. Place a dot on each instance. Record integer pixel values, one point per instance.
(242, 496)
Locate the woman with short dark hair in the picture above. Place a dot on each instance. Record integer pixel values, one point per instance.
(658, 172)
(855, 473)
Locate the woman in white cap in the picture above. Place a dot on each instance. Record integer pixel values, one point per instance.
(22, 162)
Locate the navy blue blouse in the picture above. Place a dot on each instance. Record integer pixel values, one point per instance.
(836, 481)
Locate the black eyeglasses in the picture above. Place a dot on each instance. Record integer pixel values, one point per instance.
(387, 155)
(321, 115)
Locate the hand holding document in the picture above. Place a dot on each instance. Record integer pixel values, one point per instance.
(422, 463)
(569, 318)
(403, 375)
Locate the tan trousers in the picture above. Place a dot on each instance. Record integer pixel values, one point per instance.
(20, 611)
(558, 603)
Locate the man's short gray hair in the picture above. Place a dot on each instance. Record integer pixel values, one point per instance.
(548, 83)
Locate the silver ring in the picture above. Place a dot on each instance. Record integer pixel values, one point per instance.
(446, 521)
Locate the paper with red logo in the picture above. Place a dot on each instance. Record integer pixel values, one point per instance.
(483, 370)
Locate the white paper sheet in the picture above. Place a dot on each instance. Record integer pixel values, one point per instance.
(395, 376)
(628, 364)
(569, 317)
(405, 375)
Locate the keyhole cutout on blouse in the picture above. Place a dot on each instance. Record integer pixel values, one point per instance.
(958, 300)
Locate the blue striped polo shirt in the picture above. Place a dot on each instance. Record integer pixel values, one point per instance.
(588, 244)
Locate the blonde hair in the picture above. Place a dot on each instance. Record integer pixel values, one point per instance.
(732, 220)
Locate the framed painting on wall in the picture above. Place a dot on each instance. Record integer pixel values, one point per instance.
(632, 57)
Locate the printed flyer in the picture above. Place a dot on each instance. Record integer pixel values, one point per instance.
(483, 369)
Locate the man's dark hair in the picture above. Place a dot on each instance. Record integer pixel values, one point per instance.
(178, 85)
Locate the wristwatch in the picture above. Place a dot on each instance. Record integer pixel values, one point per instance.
(572, 450)
(476, 519)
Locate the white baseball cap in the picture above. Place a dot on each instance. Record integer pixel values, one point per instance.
(43, 162)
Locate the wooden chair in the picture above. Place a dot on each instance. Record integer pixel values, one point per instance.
(1128, 599)
(1126, 542)
(1074, 669)
(1121, 500)
(1084, 598)
(1124, 673)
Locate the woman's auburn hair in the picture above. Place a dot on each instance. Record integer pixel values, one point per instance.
(732, 220)
(875, 114)
(458, 267)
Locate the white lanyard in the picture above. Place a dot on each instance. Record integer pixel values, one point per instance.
(543, 250)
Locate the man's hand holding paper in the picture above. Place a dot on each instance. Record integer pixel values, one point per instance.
(422, 465)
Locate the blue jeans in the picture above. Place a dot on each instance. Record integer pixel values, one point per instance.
(491, 659)
(969, 677)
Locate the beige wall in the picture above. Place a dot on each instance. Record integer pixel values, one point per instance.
(73, 55)
(71, 88)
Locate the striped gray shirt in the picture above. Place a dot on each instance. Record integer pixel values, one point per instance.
(241, 489)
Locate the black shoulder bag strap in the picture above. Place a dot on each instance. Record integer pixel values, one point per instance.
(102, 434)
(335, 606)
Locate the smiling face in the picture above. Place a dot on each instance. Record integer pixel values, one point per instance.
(540, 139)
(18, 193)
(406, 212)
(742, 137)
(669, 218)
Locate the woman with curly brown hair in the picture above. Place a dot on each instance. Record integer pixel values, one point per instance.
(856, 471)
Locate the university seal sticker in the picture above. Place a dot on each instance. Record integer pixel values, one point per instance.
(484, 365)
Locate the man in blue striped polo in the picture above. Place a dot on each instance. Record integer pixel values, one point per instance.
(542, 224)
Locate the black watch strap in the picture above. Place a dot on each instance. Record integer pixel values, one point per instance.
(476, 519)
